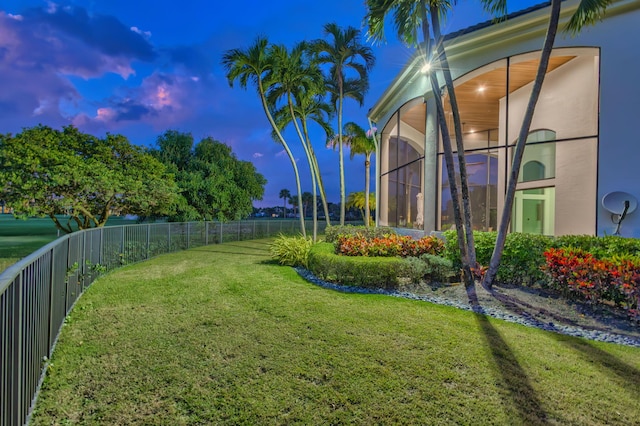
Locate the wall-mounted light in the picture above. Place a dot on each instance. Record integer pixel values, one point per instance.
(425, 68)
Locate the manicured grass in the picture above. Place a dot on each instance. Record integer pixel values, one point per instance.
(19, 238)
(221, 335)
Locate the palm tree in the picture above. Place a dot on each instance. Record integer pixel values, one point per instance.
(309, 106)
(359, 201)
(255, 65)
(285, 194)
(344, 54)
(411, 19)
(296, 74)
(587, 13)
(360, 143)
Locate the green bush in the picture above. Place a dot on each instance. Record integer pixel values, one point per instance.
(291, 251)
(369, 272)
(600, 247)
(439, 269)
(521, 259)
(332, 232)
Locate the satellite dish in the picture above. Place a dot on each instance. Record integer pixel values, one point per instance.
(614, 202)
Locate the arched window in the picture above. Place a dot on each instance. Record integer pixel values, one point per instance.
(539, 159)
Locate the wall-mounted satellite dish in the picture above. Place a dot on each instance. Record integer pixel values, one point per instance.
(619, 204)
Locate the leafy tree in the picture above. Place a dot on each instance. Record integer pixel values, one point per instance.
(255, 65)
(285, 194)
(587, 13)
(345, 54)
(47, 172)
(213, 183)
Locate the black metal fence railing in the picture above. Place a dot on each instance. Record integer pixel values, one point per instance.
(37, 293)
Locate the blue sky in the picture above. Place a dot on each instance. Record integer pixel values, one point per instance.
(140, 67)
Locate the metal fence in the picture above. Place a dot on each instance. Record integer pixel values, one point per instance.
(37, 293)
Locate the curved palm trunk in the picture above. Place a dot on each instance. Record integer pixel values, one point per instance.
(323, 194)
(453, 189)
(311, 169)
(315, 170)
(367, 183)
(341, 153)
(505, 218)
(265, 106)
(453, 186)
(466, 204)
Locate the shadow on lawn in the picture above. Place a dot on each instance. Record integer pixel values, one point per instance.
(522, 395)
(627, 375)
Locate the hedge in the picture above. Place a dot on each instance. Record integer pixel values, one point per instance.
(361, 271)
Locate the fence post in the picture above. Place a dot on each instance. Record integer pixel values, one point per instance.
(221, 241)
(18, 349)
(188, 234)
(206, 233)
(169, 237)
(148, 241)
(52, 269)
(100, 247)
(239, 225)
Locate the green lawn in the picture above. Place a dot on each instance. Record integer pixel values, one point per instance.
(221, 335)
(19, 238)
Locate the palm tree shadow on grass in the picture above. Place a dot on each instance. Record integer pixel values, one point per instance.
(523, 398)
(626, 375)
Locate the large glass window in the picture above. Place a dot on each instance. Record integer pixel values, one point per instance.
(482, 174)
(492, 102)
(402, 173)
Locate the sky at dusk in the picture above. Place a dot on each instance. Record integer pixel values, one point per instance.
(140, 67)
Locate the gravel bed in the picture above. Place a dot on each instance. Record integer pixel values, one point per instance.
(525, 319)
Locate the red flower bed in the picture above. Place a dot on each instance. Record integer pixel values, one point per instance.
(390, 245)
(578, 274)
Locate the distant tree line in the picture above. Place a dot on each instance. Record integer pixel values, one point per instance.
(86, 179)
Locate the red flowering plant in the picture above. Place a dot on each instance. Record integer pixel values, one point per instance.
(578, 273)
(626, 283)
(388, 246)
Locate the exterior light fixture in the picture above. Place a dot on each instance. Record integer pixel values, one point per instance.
(425, 68)
(481, 89)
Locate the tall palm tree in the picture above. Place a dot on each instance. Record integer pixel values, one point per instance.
(255, 65)
(587, 13)
(309, 106)
(296, 73)
(345, 54)
(411, 19)
(285, 194)
(361, 144)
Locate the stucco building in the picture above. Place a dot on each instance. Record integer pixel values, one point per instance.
(583, 142)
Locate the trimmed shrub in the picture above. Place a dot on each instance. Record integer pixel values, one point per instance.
(439, 269)
(390, 245)
(368, 272)
(600, 247)
(331, 233)
(291, 251)
(521, 259)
